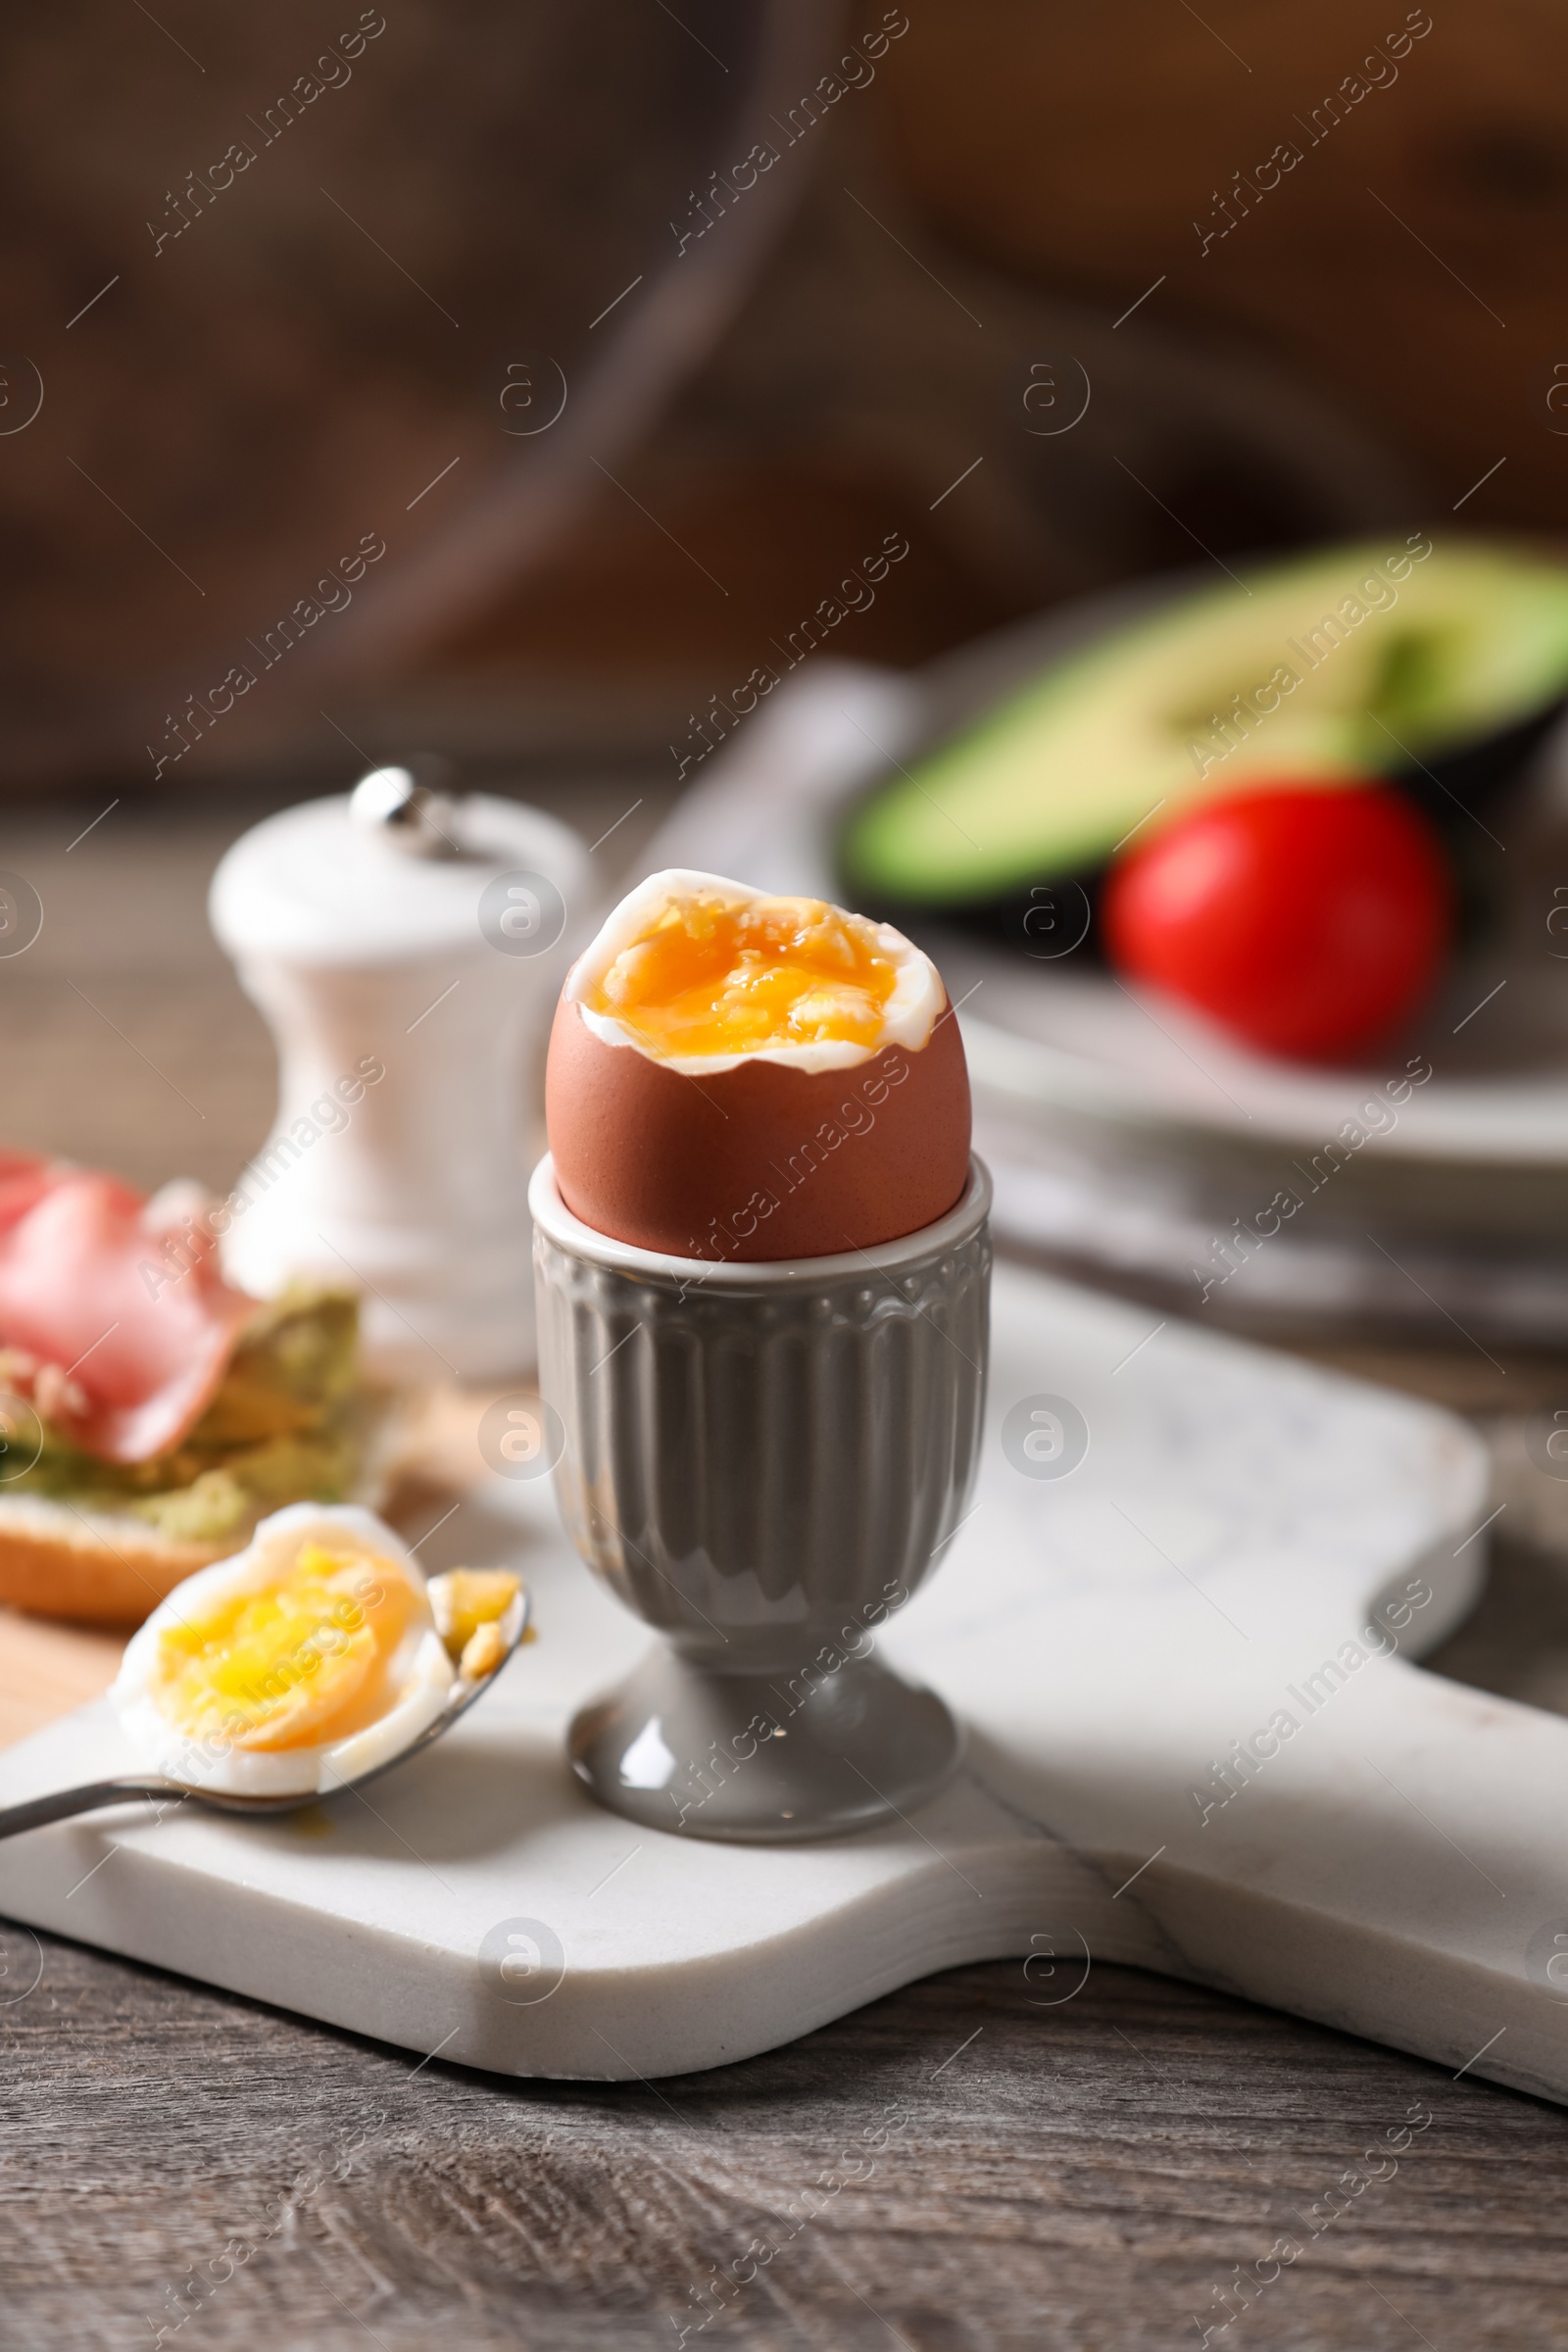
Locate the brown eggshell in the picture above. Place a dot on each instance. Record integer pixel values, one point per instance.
(745, 1164)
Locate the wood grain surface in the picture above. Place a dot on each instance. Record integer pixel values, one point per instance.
(1406, 245)
(982, 2162)
(962, 2168)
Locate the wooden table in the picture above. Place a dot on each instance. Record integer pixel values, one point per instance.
(982, 2162)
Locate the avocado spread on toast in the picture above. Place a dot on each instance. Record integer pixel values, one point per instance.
(286, 1425)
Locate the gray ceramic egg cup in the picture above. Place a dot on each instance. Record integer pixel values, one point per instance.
(762, 1461)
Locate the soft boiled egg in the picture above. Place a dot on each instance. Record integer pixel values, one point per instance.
(301, 1663)
(735, 1075)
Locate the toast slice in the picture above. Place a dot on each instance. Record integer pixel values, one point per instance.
(98, 1566)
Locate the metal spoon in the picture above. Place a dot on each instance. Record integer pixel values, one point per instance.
(62, 1803)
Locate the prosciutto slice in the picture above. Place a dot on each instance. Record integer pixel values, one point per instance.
(114, 1312)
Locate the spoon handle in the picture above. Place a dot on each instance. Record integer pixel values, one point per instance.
(61, 1803)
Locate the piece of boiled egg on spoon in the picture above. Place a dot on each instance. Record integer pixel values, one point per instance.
(315, 1658)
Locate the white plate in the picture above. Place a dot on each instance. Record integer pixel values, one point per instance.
(1151, 1132)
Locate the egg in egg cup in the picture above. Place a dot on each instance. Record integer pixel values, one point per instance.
(762, 1267)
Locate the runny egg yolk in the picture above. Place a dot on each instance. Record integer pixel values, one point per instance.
(711, 976)
(304, 1661)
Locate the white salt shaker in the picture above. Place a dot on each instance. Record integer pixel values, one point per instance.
(406, 952)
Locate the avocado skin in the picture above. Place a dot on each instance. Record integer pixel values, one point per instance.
(1445, 790)
(999, 921)
(1470, 677)
(1473, 773)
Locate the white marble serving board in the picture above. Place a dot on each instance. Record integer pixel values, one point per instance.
(1395, 1869)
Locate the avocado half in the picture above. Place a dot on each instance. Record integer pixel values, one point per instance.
(1437, 664)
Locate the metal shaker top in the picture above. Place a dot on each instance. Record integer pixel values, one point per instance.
(314, 885)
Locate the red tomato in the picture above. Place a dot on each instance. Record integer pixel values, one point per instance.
(1307, 920)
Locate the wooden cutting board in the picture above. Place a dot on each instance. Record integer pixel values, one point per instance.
(1119, 1640)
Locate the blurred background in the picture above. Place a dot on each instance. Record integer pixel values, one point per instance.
(226, 371)
(509, 382)
(271, 353)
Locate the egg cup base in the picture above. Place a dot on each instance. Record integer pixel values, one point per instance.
(763, 1760)
(763, 1461)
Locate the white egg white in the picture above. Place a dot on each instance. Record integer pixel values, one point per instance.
(909, 1016)
(421, 1673)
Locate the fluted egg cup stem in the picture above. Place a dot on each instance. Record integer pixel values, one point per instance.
(762, 1461)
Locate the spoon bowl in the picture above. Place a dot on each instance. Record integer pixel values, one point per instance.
(61, 1804)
